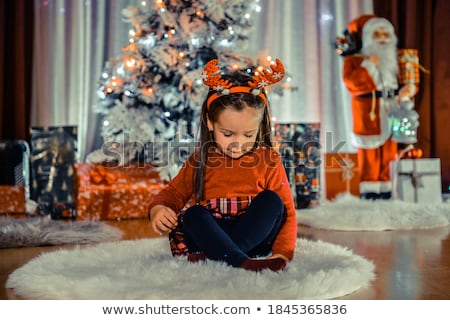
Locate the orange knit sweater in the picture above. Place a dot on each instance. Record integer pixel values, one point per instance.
(247, 176)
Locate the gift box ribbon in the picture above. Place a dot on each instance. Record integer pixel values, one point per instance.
(416, 179)
(99, 175)
(346, 168)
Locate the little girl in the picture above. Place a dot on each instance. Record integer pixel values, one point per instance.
(236, 199)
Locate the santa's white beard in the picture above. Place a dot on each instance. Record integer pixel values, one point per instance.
(387, 57)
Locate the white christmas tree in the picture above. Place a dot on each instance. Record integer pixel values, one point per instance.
(150, 95)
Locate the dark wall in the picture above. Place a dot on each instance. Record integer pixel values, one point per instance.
(425, 25)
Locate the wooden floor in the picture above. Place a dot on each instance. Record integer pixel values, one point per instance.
(409, 264)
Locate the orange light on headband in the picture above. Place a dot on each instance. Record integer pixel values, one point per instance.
(213, 79)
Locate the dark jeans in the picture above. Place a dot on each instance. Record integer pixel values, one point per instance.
(233, 240)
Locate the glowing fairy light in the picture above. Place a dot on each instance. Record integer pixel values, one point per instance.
(148, 91)
(224, 43)
(120, 71)
(117, 81)
(130, 62)
(195, 41)
(326, 17)
(101, 94)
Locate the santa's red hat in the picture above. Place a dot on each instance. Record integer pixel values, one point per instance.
(355, 27)
(360, 30)
(351, 42)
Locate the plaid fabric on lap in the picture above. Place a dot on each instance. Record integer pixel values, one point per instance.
(220, 208)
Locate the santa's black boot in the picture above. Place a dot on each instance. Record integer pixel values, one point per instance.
(386, 195)
(369, 196)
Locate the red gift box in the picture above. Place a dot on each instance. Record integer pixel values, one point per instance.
(12, 199)
(341, 174)
(114, 193)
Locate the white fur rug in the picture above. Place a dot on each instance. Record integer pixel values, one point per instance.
(349, 213)
(145, 269)
(36, 231)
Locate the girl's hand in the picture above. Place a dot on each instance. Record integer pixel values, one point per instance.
(162, 219)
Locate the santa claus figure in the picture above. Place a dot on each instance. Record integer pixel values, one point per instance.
(370, 73)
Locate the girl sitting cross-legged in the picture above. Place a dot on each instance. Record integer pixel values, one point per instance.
(231, 200)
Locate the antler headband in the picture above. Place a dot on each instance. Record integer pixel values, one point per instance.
(213, 79)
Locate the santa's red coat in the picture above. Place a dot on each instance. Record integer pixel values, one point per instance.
(359, 82)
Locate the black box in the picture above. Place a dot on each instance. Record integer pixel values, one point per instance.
(299, 147)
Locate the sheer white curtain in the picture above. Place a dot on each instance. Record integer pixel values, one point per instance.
(73, 39)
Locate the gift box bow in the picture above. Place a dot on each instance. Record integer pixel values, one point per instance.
(99, 175)
(347, 166)
(416, 177)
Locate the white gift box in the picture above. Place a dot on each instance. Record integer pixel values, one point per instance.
(416, 180)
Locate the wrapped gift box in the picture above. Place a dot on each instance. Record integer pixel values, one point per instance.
(299, 147)
(117, 192)
(409, 67)
(53, 158)
(341, 174)
(416, 180)
(14, 176)
(12, 199)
